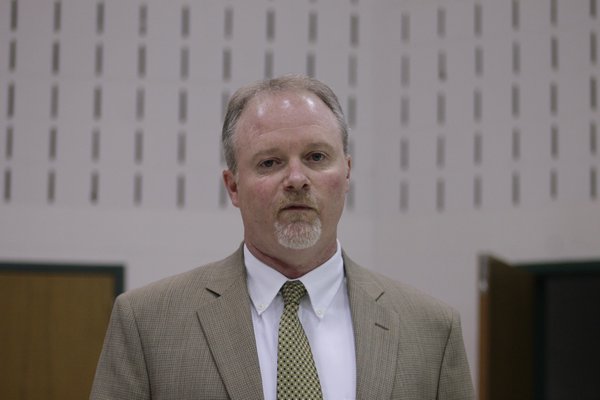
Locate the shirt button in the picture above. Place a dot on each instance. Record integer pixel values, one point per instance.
(261, 307)
(320, 312)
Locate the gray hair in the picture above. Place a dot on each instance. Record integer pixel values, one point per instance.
(239, 100)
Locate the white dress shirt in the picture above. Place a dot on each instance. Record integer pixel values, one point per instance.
(325, 317)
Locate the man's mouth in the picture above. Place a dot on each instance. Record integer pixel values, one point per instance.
(296, 207)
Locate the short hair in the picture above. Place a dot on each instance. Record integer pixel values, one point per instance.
(292, 82)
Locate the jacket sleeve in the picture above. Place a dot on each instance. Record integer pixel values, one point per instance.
(455, 378)
(121, 372)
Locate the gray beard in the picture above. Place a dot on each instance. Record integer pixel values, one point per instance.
(298, 235)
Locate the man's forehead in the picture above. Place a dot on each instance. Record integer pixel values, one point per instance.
(285, 107)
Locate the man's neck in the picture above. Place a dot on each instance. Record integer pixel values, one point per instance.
(294, 263)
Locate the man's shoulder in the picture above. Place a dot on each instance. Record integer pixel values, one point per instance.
(402, 298)
(189, 284)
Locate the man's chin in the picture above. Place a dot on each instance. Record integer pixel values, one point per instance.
(298, 235)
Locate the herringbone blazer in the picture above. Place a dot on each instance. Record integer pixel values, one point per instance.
(191, 337)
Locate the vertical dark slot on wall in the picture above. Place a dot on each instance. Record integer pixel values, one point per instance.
(270, 25)
(440, 195)
(441, 108)
(516, 58)
(593, 94)
(516, 144)
(224, 101)
(311, 67)
(97, 103)
(52, 144)
(141, 64)
(100, 18)
(352, 70)
(137, 189)
(404, 196)
(184, 63)
(516, 189)
(441, 22)
(553, 12)
(405, 71)
(440, 152)
(95, 145)
(477, 148)
(553, 184)
(442, 73)
(312, 27)
(181, 148)
(138, 147)
(57, 16)
(7, 185)
(51, 187)
(54, 101)
(14, 15)
(477, 105)
(515, 101)
(404, 154)
(226, 65)
(10, 103)
(354, 34)
(554, 53)
(185, 21)
(404, 111)
(99, 60)
(8, 151)
(55, 57)
(351, 111)
(478, 61)
(553, 99)
(181, 191)
(477, 192)
(593, 139)
(554, 141)
(593, 48)
(593, 8)
(477, 23)
(228, 23)
(143, 22)
(183, 106)
(515, 15)
(12, 56)
(139, 104)
(269, 65)
(405, 27)
(593, 183)
(94, 187)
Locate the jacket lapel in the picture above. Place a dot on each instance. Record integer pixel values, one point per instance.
(376, 335)
(227, 325)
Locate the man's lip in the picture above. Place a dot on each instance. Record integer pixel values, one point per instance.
(296, 207)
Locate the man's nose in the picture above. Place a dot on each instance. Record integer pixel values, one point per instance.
(296, 178)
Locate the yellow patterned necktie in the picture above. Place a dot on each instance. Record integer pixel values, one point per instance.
(297, 376)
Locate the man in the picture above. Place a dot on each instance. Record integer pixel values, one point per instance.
(223, 331)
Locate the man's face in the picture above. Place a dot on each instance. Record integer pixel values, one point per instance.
(292, 174)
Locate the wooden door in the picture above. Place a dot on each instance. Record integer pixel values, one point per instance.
(506, 326)
(52, 326)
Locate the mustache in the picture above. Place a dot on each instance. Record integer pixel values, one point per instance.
(297, 199)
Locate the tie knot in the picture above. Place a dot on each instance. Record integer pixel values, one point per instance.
(292, 292)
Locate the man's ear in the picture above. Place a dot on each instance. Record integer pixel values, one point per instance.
(230, 182)
(349, 168)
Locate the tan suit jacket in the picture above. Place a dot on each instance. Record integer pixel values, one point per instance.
(191, 337)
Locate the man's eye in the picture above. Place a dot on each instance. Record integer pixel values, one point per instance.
(267, 164)
(316, 157)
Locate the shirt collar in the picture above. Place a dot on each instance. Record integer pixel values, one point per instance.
(322, 283)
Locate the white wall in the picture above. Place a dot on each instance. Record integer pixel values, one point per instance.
(110, 153)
